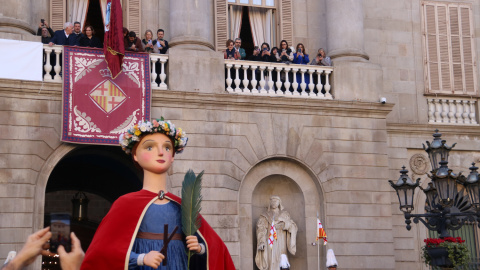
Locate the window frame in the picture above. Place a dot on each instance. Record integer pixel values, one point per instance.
(451, 88)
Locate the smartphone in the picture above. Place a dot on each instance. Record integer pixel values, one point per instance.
(60, 228)
(42, 21)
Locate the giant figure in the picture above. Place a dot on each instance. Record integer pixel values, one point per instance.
(133, 233)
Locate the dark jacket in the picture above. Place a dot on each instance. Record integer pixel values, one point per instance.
(161, 51)
(94, 42)
(59, 38)
(138, 45)
(45, 40)
(147, 49)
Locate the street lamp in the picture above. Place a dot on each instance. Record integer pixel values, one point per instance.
(451, 199)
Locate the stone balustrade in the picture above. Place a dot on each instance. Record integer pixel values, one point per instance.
(458, 111)
(278, 79)
(51, 60)
(53, 68)
(158, 76)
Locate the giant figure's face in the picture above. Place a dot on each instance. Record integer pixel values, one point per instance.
(155, 153)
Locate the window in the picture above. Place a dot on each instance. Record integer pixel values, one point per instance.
(278, 19)
(450, 65)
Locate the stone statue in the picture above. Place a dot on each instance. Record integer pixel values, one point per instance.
(266, 257)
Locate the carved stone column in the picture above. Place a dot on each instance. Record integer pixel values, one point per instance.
(191, 24)
(193, 64)
(354, 78)
(19, 19)
(345, 29)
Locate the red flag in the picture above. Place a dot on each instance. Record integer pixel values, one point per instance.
(113, 46)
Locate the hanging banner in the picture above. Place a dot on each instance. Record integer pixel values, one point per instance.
(96, 107)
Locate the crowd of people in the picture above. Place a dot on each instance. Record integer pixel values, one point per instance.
(281, 54)
(72, 35)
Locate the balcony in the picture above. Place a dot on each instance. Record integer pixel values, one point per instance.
(242, 77)
(53, 68)
(278, 79)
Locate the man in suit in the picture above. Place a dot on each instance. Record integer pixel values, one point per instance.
(65, 36)
(77, 31)
(238, 43)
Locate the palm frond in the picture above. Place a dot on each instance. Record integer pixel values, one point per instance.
(191, 204)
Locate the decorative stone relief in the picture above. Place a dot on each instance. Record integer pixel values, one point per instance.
(419, 164)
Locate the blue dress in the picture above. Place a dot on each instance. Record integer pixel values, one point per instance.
(156, 216)
(302, 60)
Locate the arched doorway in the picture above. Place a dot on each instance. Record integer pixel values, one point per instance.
(102, 173)
(301, 196)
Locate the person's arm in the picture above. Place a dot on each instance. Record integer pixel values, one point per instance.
(164, 48)
(50, 31)
(290, 56)
(39, 30)
(139, 46)
(306, 60)
(34, 246)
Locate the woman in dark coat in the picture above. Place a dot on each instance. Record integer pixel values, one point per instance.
(89, 40)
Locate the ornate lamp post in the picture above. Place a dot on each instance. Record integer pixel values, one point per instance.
(451, 199)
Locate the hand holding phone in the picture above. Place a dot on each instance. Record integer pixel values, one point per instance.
(60, 228)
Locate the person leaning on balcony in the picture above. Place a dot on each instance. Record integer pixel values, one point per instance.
(89, 40)
(147, 42)
(162, 45)
(301, 58)
(45, 32)
(134, 44)
(285, 54)
(321, 59)
(64, 37)
(262, 54)
(274, 55)
(231, 53)
(238, 43)
(77, 31)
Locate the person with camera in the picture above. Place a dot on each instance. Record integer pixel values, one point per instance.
(37, 244)
(285, 54)
(238, 43)
(321, 59)
(261, 54)
(45, 31)
(231, 53)
(161, 45)
(301, 58)
(147, 42)
(134, 44)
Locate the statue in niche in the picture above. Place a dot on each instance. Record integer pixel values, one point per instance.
(268, 257)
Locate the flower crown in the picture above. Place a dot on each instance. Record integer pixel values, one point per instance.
(128, 139)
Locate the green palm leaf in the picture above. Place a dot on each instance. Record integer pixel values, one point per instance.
(191, 204)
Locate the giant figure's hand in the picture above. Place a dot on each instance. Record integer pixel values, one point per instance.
(192, 243)
(261, 247)
(153, 259)
(72, 260)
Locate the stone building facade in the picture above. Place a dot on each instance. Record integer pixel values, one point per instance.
(327, 157)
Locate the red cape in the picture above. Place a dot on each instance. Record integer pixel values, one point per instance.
(110, 247)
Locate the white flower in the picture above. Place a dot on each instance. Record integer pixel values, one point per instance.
(121, 137)
(135, 138)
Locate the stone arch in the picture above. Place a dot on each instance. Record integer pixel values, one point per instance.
(299, 175)
(42, 179)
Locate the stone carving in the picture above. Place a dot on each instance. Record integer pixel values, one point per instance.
(266, 257)
(419, 164)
